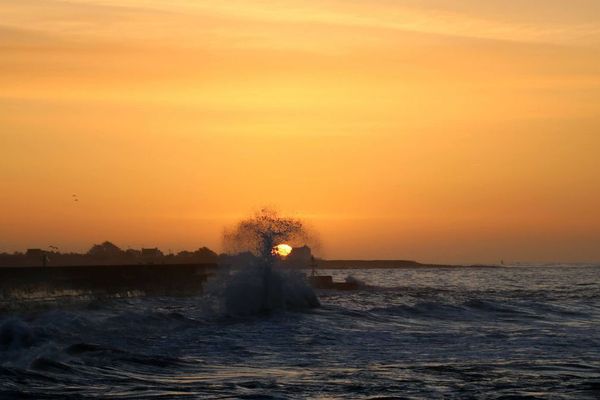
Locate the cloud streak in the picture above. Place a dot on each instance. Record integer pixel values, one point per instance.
(190, 21)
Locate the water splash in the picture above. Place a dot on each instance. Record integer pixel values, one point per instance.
(258, 285)
(355, 281)
(262, 232)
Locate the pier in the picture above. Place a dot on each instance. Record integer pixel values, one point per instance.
(40, 283)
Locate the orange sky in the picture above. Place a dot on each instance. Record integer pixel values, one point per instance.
(443, 131)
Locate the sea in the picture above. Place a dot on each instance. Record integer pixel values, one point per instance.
(524, 332)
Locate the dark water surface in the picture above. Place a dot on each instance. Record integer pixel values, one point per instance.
(510, 333)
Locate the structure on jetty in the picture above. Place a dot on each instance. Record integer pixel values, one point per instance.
(326, 281)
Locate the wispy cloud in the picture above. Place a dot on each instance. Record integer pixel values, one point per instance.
(191, 22)
(444, 18)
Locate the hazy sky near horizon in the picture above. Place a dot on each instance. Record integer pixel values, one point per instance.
(437, 130)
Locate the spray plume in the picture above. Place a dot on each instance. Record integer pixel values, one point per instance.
(258, 287)
(262, 232)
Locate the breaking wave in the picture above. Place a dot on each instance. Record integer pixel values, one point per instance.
(256, 289)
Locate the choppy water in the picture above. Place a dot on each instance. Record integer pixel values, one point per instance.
(416, 333)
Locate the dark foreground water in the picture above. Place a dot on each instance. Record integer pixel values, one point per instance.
(512, 333)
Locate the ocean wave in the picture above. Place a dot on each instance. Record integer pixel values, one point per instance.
(443, 334)
(477, 308)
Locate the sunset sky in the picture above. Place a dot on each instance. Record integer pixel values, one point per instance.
(437, 130)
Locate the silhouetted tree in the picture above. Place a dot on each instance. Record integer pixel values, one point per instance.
(105, 250)
(205, 254)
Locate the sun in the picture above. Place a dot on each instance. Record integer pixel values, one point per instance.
(282, 250)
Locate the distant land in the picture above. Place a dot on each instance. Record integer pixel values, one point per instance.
(108, 253)
(375, 264)
(105, 253)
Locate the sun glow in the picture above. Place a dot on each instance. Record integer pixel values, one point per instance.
(282, 250)
(397, 129)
